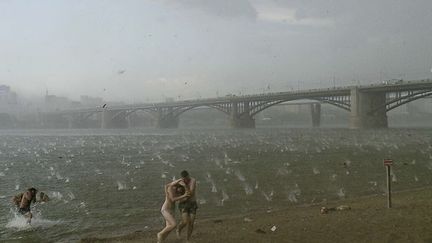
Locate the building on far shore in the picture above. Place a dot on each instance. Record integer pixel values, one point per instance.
(7, 96)
(8, 107)
(54, 102)
(88, 101)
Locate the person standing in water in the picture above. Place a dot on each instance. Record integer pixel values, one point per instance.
(174, 191)
(188, 207)
(24, 206)
(16, 200)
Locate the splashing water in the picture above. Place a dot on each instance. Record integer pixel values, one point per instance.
(293, 194)
(267, 197)
(240, 176)
(248, 189)
(214, 189)
(341, 193)
(71, 196)
(225, 197)
(19, 223)
(394, 178)
(56, 195)
(121, 185)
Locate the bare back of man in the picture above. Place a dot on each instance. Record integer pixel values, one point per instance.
(24, 207)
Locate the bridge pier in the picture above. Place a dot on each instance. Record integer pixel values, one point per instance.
(74, 121)
(316, 114)
(70, 122)
(128, 121)
(132, 120)
(368, 109)
(166, 118)
(243, 119)
(106, 119)
(53, 121)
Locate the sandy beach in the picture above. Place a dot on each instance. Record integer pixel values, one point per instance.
(369, 220)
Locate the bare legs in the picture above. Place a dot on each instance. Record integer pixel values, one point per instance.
(29, 217)
(187, 220)
(190, 226)
(183, 223)
(170, 224)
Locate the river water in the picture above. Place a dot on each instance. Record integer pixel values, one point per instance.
(108, 182)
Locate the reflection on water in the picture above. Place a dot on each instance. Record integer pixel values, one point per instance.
(112, 180)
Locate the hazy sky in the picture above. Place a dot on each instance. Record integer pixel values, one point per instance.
(148, 50)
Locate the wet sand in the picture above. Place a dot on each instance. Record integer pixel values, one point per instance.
(369, 220)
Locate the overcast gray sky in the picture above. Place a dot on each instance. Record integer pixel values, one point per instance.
(148, 50)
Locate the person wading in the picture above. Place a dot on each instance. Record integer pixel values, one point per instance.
(24, 206)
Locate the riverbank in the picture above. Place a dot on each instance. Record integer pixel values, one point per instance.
(369, 220)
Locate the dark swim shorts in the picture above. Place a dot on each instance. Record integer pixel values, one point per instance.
(24, 210)
(189, 207)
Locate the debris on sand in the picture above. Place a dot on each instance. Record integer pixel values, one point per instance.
(325, 210)
(260, 231)
(247, 219)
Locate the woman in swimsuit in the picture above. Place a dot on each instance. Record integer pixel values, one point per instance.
(174, 191)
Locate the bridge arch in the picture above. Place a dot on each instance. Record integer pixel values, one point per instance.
(340, 103)
(127, 113)
(265, 105)
(151, 111)
(411, 96)
(177, 112)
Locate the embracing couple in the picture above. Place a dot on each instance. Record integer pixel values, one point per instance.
(183, 191)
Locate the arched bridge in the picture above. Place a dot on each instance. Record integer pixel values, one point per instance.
(367, 105)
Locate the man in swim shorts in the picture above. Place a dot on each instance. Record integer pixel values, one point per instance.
(188, 207)
(24, 206)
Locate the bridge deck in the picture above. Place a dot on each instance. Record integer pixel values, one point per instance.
(396, 86)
